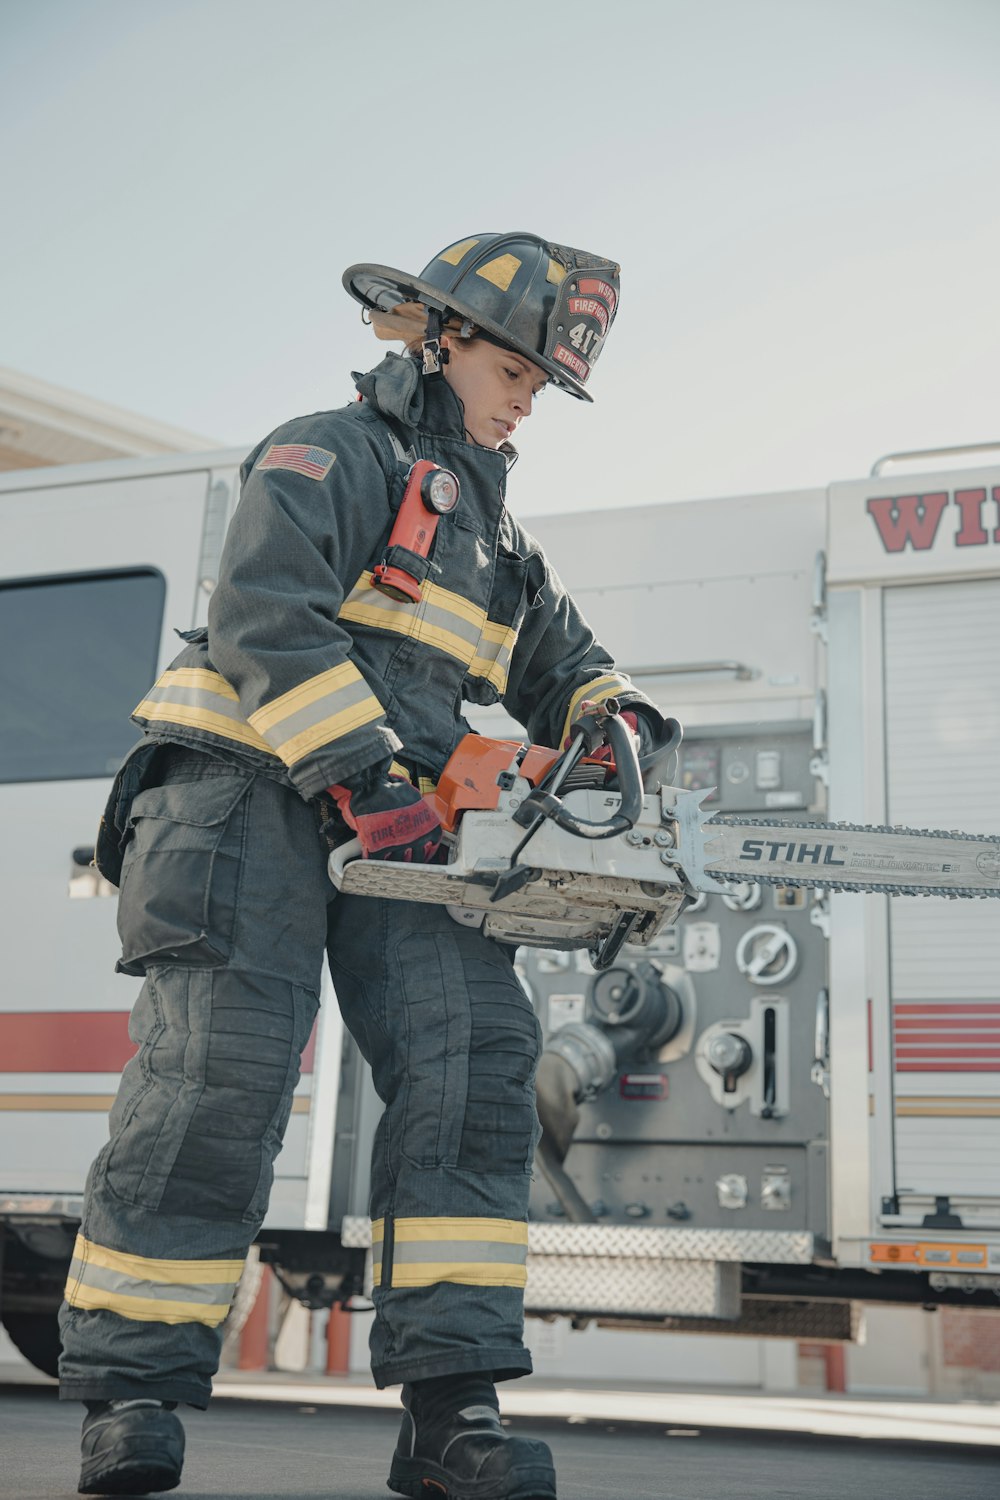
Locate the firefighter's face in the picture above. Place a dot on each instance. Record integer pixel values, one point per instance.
(495, 386)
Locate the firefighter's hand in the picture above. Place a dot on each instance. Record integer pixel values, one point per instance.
(603, 752)
(389, 816)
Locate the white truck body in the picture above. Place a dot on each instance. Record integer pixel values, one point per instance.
(863, 617)
(871, 608)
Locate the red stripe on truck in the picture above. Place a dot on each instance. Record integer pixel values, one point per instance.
(937, 1036)
(76, 1041)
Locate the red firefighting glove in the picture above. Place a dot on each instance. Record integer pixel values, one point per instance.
(389, 816)
(603, 752)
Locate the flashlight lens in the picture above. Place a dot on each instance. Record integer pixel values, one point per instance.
(440, 490)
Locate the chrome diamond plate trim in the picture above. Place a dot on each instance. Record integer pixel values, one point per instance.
(621, 1284)
(789, 1247)
(356, 1233)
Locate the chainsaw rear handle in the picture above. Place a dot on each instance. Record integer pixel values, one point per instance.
(616, 733)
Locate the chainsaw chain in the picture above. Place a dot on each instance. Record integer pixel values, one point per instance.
(954, 893)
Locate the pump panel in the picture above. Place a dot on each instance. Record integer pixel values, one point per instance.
(718, 1119)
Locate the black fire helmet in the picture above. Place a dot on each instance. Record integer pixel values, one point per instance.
(550, 303)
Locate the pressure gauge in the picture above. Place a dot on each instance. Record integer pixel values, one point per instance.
(767, 954)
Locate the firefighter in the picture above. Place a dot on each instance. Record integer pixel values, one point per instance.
(315, 699)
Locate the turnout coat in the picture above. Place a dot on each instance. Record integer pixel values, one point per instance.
(307, 672)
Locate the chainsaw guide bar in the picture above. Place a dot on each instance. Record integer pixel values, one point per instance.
(890, 861)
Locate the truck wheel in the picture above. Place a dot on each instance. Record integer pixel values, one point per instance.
(36, 1335)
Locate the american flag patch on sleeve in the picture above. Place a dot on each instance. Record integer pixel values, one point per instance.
(300, 458)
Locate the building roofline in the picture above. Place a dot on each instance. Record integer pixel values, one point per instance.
(53, 475)
(66, 411)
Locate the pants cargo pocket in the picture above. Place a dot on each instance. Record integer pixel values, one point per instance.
(181, 873)
(135, 771)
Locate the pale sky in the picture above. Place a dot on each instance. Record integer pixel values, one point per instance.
(804, 196)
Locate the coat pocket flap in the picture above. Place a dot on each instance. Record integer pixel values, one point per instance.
(200, 804)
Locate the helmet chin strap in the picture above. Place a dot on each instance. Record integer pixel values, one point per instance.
(434, 357)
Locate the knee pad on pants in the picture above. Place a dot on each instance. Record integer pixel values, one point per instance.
(203, 1107)
(499, 1129)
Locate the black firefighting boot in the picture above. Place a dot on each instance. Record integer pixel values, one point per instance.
(131, 1448)
(451, 1444)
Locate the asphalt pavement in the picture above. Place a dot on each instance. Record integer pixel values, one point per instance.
(302, 1449)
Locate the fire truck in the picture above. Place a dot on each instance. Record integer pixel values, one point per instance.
(786, 1107)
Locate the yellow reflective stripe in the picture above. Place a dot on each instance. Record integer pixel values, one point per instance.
(395, 769)
(455, 604)
(329, 729)
(457, 252)
(325, 684)
(466, 1273)
(411, 625)
(494, 1265)
(597, 690)
(493, 664)
(501, 270)
(408, 615)
(177, 1272)
(493, 672)
(503, 1231)
(198, 677)
(426, 785)
(146, 1309)
(410, 620)
(201, 718)
(498, 635)
(99, 1278)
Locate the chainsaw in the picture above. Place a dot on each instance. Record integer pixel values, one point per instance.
(591, 847)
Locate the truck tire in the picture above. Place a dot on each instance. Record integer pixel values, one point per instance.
(36, 1335)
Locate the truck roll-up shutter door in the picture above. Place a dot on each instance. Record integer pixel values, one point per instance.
(942, 704)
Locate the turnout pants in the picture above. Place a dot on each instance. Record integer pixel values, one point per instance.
(226, 909)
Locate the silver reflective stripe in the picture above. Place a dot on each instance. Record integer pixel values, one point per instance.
(443, 619)
(150, 1290)
(314, 713)
(310, 717)
(199, 699)
(407, 1252)
(434, 623)
(106, 1280)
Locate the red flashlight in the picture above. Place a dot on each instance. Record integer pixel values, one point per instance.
(430, 492)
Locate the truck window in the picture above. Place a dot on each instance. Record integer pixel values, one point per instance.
(78, 654)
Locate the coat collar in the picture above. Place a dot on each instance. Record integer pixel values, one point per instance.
(398, 388)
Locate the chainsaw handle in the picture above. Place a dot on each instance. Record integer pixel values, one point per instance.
(548, 805)
(654, 765)
(340, 857)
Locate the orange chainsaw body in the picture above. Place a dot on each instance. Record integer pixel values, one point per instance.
(469, 780)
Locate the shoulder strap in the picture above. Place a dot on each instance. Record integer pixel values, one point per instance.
(400, 439)
(405, 451)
